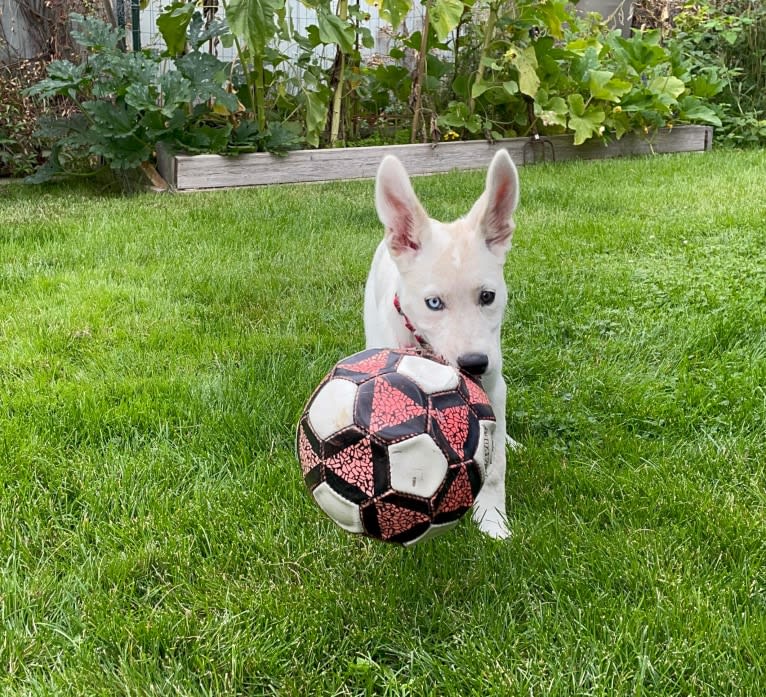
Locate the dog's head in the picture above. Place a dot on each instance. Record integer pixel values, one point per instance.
(453, 289)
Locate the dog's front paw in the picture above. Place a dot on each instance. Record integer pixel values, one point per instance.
(491, 522)
(513, 444)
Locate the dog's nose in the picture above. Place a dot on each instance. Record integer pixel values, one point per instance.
(473, 363)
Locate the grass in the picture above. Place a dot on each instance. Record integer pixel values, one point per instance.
(155, 537)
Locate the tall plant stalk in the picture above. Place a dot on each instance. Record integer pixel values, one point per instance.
(489, 30)
(420, 76)
(337, 100)
(253, 22)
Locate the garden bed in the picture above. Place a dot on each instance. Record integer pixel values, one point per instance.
(193, 172)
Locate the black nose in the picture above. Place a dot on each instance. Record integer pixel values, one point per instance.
(473, 363)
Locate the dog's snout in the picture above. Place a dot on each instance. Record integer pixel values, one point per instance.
(473, 363)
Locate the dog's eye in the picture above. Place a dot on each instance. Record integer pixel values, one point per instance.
(434, 303)
(486, 297)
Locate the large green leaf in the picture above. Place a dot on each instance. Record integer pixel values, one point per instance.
(669, 86)
(392, 11)
(64, 78)
(445, 16)
(525, 61)
(584, 121)
(317, 104)
(692, 109)
(207, 76)
(640, 51)
(603, 85)
(94, 34)
(173, 23)
(175, 90)
(254, 20)
(333, 30)
(554, 112)
(554, 15)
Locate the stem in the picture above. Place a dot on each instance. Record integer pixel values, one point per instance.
(489, 30)
(420, 77)
(260, 90)
(337, 100)
(253, 79)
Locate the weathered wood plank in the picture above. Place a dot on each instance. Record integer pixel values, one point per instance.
(216, 171)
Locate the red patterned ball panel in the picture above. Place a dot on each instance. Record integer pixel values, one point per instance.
(391, 407)
(356, 465)
(455, 425)
(396, 518)
(459, 492)
(477, 398)
(368, 364)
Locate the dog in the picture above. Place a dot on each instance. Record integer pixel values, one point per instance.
(441, 286)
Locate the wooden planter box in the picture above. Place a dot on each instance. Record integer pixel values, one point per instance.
(194, 172)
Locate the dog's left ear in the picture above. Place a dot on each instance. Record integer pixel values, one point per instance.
(493, 212)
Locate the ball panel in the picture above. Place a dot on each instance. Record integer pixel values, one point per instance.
(456, 497)
(429, 375)
(343, 487)
(456, 426)
(391, 407)
(366, 364)
(485, 449)
(418, 466)
(396, 519)
(433, 531)
(343, 512)
(477, 398)
(332, 407)
(308, 448)
(351, 463)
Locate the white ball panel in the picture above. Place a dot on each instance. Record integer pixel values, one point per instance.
(485, 450)
(429, 375)
(345, 513)
(433, 531)
(418, 466)
(333, 408)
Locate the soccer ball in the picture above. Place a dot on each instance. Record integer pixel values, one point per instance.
(395, 444)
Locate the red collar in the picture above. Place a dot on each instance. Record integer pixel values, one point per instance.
(410, 326)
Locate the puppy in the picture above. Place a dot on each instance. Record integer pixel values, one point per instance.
(441, 286)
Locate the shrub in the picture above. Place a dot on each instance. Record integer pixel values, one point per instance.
(127, 103)
(20, 149)
(541, 69)
(727, 39)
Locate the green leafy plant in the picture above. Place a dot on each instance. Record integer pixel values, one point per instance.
(726, 42)
(543, 70)
(129, 103)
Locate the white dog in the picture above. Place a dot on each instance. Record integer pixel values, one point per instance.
(441, 285)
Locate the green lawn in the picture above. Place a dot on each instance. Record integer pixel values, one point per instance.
(155, 536)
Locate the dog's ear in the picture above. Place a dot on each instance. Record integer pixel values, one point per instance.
(398, 208)
(493, 212)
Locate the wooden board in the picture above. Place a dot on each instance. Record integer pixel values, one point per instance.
(216, 171)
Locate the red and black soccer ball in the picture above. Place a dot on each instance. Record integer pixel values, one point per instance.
(394, 444)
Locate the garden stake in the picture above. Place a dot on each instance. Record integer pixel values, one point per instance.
(539, 144)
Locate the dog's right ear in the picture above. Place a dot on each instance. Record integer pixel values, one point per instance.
(398, 208)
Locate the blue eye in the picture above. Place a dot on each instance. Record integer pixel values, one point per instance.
(486, 297)
(434, 304)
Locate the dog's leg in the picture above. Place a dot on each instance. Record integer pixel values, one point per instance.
(489, 509)
(513, 444)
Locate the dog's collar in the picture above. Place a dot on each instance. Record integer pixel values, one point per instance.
(410, 326)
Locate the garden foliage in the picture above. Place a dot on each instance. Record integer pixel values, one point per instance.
(475, 69)
(726, 41)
